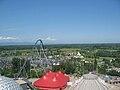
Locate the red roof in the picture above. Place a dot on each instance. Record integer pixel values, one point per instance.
(66, 78)
(52, 80)
(50, 74)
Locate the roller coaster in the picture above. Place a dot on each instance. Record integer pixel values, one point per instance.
(38, 59)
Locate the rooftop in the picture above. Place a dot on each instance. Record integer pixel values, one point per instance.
(8, 84)
(91, 82)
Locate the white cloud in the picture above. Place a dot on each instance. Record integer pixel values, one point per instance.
(49, 39)
(8, 38)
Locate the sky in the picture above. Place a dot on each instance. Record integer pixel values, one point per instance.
(60, 21)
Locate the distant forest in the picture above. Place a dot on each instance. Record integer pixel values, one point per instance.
(115, 46)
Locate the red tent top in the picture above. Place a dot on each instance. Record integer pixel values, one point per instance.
(50, 74)
(66, 78)
(52, 80)
(46, 82)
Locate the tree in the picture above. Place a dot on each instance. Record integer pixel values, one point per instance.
(113, 73)
(69, 68)
(95, 64)
(102, 69)
(18, 65)
(56, 68)
(116, 63)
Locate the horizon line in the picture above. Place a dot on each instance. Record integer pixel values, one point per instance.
(31, 43)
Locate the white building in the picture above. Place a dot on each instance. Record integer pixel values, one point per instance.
(78, 55)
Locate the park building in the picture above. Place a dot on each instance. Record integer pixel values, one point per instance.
(91, 82)
(78, 55)
(9, 84)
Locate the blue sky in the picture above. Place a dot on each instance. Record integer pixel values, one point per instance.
(60, 21)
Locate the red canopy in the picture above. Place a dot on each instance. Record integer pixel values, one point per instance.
(52, 80)
(50, 74)
(46, 82)
(66, 78)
